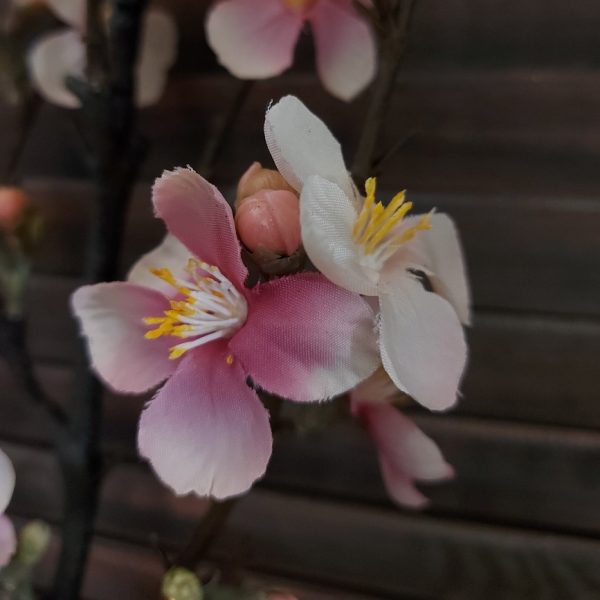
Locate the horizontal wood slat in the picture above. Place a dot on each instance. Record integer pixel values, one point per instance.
(469, 130)
(519, 474)
(381, 552)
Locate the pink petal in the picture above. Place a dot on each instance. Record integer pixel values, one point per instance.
(72, 12)
(8, 540)
(7, 480)
(206, 431)
(51, 60)
(196, 213)
(170, 254)
(306, 339)
(422, 343)
(253, 39)
(439, 251)
(111, 317)
(346, 53)
(406, 454)
(157, 54)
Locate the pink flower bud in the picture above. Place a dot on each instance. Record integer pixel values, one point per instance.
(257, 178)
(270, 220)
(13, 202)
(280, 595)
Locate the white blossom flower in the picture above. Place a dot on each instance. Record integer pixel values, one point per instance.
(376, 250)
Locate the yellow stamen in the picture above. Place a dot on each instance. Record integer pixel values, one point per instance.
(374, 227)
(176, 352)
(229, 359)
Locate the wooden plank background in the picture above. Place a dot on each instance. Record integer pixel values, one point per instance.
(500, 105)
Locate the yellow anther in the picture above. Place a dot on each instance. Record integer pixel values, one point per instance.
(153, 320)
(375, 225)
(176, 352)
(229, 359)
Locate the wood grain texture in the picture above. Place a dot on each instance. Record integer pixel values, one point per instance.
(379, 552)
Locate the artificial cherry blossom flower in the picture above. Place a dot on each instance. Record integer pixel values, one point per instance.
(58, 55)
(184, 314)
(255, 39)
(406, 454)
(8, 540)
(375, 251)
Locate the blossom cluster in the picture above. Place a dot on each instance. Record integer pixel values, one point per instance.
(379, 314)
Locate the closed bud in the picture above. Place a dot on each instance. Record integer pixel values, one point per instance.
(33, 542)
(181, 584)
(270, 220)
(280, 595)
(13, 203)
(257, 178)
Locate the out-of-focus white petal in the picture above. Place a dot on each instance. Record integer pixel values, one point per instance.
(72, 12)
(422, 344)
(439, 251)
(8, 540)
(253, 39)
(170, 254)
(51, 60)
(302, 146)
(7, 480)
(157, 54)
(345, 48)
(327, 218)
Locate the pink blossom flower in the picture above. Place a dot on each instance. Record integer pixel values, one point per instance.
(184, 314)
(8, 540)
(406, 454)
(374, 250)
(255, 39)
(57, 55)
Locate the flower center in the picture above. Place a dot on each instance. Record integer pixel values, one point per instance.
(299, 5)
(378, 229)
(210, 308)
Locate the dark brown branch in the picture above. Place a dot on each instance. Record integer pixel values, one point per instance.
(205, 534)
(108, 119)
(391, 22)
(222, 129)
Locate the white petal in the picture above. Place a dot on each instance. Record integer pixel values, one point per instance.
(7, 481)
(422, 343)
(345, 48)
(439, 251)
(327, 218)
(72, 12)
(157, 54)
(170, 254)
(51, 60)
(302, 146)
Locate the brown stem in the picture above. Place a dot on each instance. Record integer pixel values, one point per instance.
(205, 534)
(391, 21)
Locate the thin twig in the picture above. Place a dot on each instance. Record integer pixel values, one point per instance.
(391, 22)
(205, 534)
(222, 129)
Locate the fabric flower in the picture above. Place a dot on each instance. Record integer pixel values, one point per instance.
(406, 454)
(184, 314)
(377, 251)
(58, 55)
(8, 540)
(255, 39)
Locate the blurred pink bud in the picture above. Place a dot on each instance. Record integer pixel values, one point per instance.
(13, 202)
(257, 178)
(270, 220)
(279, 595)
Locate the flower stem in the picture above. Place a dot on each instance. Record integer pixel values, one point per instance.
(108, 118)
(391, 21)
(205, 534)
